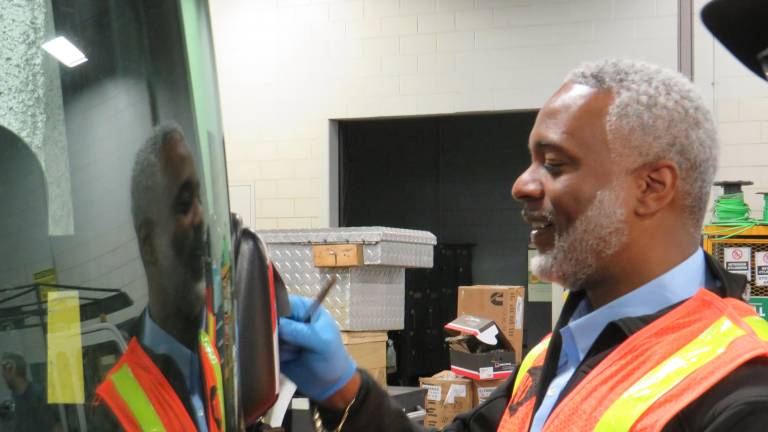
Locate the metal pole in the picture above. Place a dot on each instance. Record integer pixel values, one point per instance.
(685, 37)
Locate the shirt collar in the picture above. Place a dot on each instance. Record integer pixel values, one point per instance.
(159, 341)
(674, 286)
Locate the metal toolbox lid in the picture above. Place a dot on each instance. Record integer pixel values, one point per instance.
(364, 235)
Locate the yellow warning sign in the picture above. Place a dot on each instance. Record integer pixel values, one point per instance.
(65, 354)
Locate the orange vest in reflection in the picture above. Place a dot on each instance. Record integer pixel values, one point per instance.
(141, 398)
(651, 376)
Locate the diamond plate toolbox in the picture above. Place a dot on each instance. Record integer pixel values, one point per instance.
(368, 297)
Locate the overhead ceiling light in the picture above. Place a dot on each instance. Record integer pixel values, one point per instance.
(64, 51)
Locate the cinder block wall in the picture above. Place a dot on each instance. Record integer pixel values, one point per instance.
(286, 67)
(739, 101)
(103, 252)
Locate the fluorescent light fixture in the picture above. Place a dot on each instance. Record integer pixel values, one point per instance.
(64, 51)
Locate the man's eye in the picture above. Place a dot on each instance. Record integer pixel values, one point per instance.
(183, 206)
(184, 202)
(554, 166)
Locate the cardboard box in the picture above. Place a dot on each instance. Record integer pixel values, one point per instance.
(447, 396)
(369, 351)
(486, 366)
(484, 353)
(500, 304)
(481, 390)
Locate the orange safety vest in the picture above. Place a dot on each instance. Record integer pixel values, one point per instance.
(651, 376)
(142, 399)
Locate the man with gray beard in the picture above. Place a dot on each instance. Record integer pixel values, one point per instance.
(655, 334)
(169, 377)
(574, 255)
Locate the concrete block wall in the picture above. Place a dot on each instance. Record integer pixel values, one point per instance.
(287, 67)
(24, 247)
(739, 101)
(102, 252)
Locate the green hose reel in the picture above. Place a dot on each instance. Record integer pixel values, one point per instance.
(764, 221)
(732, 213)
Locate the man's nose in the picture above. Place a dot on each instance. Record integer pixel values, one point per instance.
(197, 214)
(527, 187)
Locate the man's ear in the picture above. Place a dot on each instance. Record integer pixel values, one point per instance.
(145, 235)
(657, 186)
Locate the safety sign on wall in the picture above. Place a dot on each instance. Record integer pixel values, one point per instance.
(761, 305)
(738, 260)
(761, 268)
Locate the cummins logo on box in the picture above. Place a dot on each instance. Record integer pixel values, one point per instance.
(497, 299)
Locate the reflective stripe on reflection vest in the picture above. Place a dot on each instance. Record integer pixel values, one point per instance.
(759, 326)
(654, 374)
(139, 395)
(212, 366)
(137, 401)
(632, 404)
(121, 389)
(663, 368)
(525, 366)
(522, 401)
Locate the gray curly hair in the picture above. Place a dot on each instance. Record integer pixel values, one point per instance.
(657, 114)
(147, 176)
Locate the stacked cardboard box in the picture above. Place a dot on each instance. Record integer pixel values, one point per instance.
(499, 303)
(447, 396)
(478, 349)
(486, 347)
(481, 390)
(369, 351)
(502, 305)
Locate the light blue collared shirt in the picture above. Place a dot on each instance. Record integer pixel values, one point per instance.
(187, 361)
(585, 324)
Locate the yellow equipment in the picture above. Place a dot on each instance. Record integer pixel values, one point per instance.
(755, 238)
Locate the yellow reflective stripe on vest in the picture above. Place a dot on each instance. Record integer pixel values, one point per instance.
(137, 401)
(528, 361)
(211, 322)
(628, 408)
(759, 325)
(206, 343)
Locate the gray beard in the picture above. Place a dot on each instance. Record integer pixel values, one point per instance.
(597, 233)
(184, 291)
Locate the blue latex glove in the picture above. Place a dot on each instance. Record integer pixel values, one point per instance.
(312, 354)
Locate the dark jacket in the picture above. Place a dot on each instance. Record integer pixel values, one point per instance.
(737, 403)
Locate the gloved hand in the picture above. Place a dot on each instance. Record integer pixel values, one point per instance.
(312, 354)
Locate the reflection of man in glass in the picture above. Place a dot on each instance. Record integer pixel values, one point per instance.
(168, 219)
(170, 374)
(30, 410)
